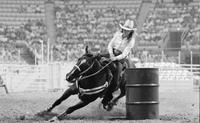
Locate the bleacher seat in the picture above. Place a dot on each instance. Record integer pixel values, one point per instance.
(9, 11)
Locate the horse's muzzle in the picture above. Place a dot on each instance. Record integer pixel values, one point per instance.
(70, 79)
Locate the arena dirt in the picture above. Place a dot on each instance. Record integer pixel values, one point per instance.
(22, 107)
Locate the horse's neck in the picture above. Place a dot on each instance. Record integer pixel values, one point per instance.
(95, 68)
(96, 79)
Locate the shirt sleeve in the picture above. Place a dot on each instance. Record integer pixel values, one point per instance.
(127, 50)
(111, 45)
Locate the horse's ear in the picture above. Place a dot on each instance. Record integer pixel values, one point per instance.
(86, 50)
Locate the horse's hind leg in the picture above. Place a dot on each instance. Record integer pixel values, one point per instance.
(116, 99)
(71, 91)
(122, 83)
(122, 93)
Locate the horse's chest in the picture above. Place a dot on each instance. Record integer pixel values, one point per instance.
(92, 82)
(87, 84)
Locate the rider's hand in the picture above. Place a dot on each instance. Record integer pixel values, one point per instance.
(113, 58)
(97, 55)
(111, 55)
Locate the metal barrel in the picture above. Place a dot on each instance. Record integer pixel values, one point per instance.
(142, 98)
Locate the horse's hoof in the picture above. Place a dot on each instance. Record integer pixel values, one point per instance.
(62, 116)
(42, 113)
(105, 107)
(54, 119)
(110, 106)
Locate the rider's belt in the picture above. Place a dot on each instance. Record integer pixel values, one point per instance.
(93, 90)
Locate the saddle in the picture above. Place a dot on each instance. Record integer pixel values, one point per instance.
(104, 59)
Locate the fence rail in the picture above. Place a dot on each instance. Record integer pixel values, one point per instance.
(176, 77)
(19, 78)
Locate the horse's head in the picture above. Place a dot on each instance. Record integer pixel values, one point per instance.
(81, 66)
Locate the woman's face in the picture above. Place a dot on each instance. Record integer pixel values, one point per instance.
(125, 33)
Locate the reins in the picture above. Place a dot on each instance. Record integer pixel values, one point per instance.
(86, 69)
(85, 77)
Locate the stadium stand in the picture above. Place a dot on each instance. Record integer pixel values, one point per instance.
(169, 15)
(23, 30)
(94, 21)
(22, 21)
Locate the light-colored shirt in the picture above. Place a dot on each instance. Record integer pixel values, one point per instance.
(121, 44)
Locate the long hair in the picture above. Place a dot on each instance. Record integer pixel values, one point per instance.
(130, 34)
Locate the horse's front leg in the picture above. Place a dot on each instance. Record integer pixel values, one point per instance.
(70, 91)
(69, 111)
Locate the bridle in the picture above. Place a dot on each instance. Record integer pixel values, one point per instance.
(76, 66)
(88, 76)
(92, 90)
(79, 69)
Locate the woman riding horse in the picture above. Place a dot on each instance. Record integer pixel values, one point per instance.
(121, 44)
(119, 48)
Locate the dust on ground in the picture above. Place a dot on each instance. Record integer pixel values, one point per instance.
(22, 107)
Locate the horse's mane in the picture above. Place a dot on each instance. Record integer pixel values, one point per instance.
(93, 56)
(88, 55)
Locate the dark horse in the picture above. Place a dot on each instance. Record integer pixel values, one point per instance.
(92, 78)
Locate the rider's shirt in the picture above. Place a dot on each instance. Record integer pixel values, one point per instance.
(121, 44)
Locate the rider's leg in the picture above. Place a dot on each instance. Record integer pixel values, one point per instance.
(116, 76)
(119, 72)
(71, 91)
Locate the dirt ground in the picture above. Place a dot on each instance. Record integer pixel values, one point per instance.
(176, 107)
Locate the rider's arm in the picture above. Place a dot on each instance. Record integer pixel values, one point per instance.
(127, 50)
(111, 45)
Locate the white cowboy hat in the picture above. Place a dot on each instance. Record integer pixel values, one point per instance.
(128, 25)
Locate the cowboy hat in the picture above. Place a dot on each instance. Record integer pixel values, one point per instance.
(128, 25)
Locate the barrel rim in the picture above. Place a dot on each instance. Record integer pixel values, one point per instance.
(142, 102)
(142, 85)
(142, 68)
